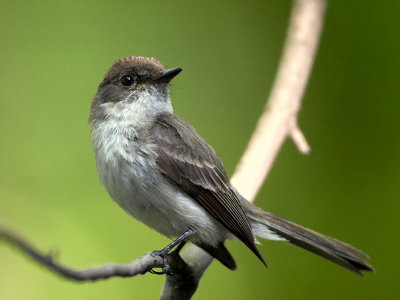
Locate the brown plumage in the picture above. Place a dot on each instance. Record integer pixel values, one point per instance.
(186, 158)
(325, 246)
(139, 65)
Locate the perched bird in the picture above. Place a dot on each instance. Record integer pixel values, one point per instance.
(159, 169)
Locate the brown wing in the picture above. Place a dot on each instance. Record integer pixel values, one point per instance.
(186, 158)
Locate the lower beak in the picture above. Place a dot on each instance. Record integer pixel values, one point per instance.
(167, 76)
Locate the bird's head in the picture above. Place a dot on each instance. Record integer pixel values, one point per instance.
(134, 83)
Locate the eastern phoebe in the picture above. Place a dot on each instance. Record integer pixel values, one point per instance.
(160, 170)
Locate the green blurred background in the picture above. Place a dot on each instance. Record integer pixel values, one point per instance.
(54, 54)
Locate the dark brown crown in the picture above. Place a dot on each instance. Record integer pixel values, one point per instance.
(135, 65)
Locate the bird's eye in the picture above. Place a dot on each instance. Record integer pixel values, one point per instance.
(127, 80)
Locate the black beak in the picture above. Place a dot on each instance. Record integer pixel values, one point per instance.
(167, 75)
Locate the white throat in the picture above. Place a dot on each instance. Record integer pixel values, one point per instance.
(127, 120)
(140, 109)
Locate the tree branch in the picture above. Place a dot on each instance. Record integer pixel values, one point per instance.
(136, 267)
(278, 121)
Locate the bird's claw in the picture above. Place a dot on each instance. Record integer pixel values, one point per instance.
(178, 243)
(166, 269)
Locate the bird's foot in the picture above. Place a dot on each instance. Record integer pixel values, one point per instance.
(166, 269)
(164, 253)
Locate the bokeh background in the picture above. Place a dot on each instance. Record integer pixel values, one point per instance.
(54, 54)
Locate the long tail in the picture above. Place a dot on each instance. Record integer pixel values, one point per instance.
(267, 225)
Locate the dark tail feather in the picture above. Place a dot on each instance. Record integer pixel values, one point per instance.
(220, 253)
(325, 246)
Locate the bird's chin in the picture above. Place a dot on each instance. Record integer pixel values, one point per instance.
(133, 96)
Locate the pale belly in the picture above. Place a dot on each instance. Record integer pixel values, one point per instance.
(139, 188)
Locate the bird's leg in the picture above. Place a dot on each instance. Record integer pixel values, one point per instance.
(179, 242)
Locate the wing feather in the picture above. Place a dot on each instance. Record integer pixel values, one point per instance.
(186, 158)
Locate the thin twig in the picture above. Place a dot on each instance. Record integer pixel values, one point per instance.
(300, 141)
(278, 121)
(136, 267)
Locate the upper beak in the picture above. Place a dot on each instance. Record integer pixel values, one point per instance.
(167, 75)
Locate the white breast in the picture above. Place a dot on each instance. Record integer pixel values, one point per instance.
(128, 170)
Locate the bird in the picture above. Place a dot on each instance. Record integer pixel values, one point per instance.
(163, 173)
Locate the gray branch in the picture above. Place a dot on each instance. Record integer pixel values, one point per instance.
(141, 265)
(183, 284)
